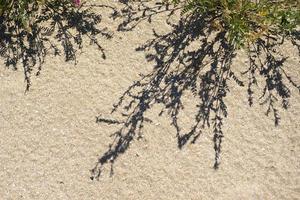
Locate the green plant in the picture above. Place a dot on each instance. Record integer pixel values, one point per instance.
(21, 11)
(246, 21)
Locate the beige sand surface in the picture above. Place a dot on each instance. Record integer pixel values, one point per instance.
(50, 141)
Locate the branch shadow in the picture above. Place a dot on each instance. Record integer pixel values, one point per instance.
(195, 56)
(133, 14)
(57, 28)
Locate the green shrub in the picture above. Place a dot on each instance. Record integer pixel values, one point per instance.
(244, 20)
(21, 11)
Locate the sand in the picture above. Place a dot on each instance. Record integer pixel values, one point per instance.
(50, 139)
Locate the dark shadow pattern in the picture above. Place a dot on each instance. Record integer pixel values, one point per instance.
(135, 13)
(195, 56)
(267, 61)
(58, 19)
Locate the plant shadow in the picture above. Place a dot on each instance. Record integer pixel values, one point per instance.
(195, 56)
(57, 28)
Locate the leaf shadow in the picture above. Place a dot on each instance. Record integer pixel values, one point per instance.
(56, 28)
(195, 56)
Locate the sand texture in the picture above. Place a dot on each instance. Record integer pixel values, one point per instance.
(50, 140)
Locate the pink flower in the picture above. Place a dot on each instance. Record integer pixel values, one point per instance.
(77, 2)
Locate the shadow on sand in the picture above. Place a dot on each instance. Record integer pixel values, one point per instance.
(69, 26)
(194, 56)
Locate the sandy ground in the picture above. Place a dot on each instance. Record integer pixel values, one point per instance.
(50, 141)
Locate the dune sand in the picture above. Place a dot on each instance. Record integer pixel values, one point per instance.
(50, 139)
